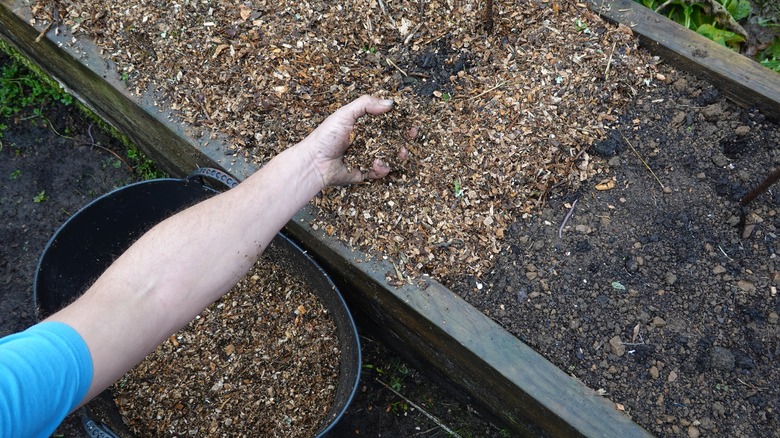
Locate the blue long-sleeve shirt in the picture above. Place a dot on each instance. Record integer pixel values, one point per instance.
(45, 371)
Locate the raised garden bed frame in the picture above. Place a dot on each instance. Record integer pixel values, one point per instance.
(432, 328)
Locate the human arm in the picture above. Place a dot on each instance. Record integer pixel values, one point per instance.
(188, 261)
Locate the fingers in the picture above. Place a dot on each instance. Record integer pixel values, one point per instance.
(334, 136)
(379, 169)
(374, 106)
(352, 177)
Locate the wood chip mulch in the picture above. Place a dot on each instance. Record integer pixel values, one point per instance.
(264, 359)
(486, 123)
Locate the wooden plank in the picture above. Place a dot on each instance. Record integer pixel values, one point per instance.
(432, 327)
(743, 80)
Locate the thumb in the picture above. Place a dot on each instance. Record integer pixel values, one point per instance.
(366, 105)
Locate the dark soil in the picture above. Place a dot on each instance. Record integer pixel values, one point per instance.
(53, 159)
(657, 292)
(66, 155)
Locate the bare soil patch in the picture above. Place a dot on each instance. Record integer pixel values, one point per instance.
(660, 293)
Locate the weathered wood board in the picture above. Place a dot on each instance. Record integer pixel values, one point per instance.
(743, 80)
(430, 327)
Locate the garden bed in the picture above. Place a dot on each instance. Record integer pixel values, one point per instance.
(638, 108)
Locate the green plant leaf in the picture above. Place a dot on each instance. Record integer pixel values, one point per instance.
(458, 188)
(698, 17)
(738, 9)
(773, 51)
(771, 64)
(720, 36)
(22, 89)
(40, 197)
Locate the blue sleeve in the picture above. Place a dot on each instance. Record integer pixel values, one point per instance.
(45, 371)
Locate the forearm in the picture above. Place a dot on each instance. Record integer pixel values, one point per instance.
(188, 261)
(185, 263)
(214, 243)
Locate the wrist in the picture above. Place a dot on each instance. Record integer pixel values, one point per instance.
(310, 173)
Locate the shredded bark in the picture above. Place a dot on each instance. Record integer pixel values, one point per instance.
(261, 361)
(486, 123)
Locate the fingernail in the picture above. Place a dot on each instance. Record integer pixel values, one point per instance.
(387, 102)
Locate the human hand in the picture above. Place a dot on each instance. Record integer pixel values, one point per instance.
(330, 140)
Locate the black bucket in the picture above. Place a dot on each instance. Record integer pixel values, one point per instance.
(90, 240)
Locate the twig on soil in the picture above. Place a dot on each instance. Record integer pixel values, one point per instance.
(642, 160)
(425, 432)
(412, 33)
(382, 6)
(724, 253)
(414, 405)
(390, 61)
(771, 179)
(51, 125)
(95, 145)
(89, 132)
(384, 10)
(609, 62)
(43, 32)
(487, 91)
(566, 218)
(750, 385)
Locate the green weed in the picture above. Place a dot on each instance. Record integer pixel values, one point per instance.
(581, 26)
(770, 57)
(21, 90)
(722, 387)
(399, 407)
(457, 188)
(26, 88)
(618, 285)
(16, 174)
(40, 197)
(143, 166)
(701, 18)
